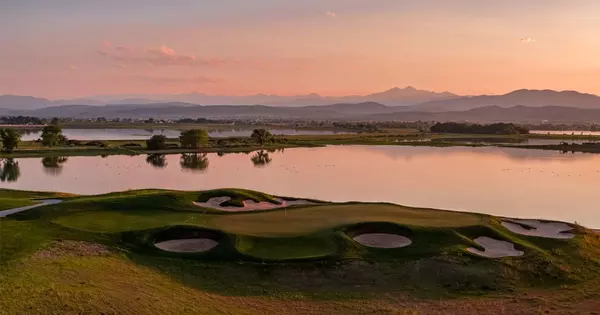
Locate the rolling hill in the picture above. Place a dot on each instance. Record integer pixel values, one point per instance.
(529, 98)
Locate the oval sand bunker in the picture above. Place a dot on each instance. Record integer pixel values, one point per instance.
(191, 245)
(249, 204)
(382, 240)
(494, 248)
(540, 229)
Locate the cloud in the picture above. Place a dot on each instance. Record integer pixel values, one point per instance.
(527, 40)
(106, 43)
(72, 67)
(160, 56)
(331, 14)
(167, 56)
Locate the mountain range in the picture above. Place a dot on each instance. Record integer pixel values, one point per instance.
(392, 97)
(531, 106)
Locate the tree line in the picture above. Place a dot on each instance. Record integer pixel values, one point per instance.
(491, 129)
(198, 138)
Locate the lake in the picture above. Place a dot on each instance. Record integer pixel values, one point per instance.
(566, 132)
(500, 181)
(143, 134)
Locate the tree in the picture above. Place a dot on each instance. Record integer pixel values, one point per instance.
(261, 136)
(10, 171)
(194, 161)
(157, 142)
(261, 158)
(52, 135)
(53, 164)
(9, 140)
(157, 160)
(193, 138)
(55, 121)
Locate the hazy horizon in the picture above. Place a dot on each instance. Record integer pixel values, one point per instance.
(69, 49)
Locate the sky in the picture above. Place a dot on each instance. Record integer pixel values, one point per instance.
(78, 48)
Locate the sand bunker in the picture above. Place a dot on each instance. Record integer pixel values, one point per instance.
(540, 229)
(191, 245)
(250, 205)
(42, 203)
(494, 248)
(382, 240)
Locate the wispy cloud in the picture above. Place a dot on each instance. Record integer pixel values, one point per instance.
(527, 40)
(166, 56)
(160, 56)
(331, 14)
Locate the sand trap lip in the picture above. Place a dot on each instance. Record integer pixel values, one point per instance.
(382, 240)
(554, 230)
(494, 248)
(190, 245)
(250, 205)
(44, 202)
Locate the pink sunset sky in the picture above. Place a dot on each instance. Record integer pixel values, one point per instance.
(69, 48)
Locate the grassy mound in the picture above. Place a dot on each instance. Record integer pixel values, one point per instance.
(296, 253)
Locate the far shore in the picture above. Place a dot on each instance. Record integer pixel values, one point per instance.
(247, 144)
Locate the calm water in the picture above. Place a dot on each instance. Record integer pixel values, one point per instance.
(143, 134)
(566, 132)
(511, 182)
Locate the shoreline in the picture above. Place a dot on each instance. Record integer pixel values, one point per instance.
(116, 147)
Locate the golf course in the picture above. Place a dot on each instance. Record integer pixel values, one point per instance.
(233, 251)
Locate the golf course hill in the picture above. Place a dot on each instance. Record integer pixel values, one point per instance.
(231, 246)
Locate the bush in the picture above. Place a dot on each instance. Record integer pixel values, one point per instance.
(52, 136)
(131, 145)
(74, 143)
(96, 144)
(157, 142)
(492, 129)
(193, 138)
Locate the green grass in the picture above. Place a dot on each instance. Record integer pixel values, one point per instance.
(296, 260)
(10, 199)
(287, 248)
(10, 203)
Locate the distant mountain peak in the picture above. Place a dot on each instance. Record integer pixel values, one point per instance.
(521, 97)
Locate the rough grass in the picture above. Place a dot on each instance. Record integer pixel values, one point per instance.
(10, 199)
(10, 203)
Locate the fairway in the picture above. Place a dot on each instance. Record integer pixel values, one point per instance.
(283, 222)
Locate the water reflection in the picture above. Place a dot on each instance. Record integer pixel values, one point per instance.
(194, 161)
(10, 171)
(261, 159)
(157, 160)
(53, 164)
(503, 181)
(143, 134)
